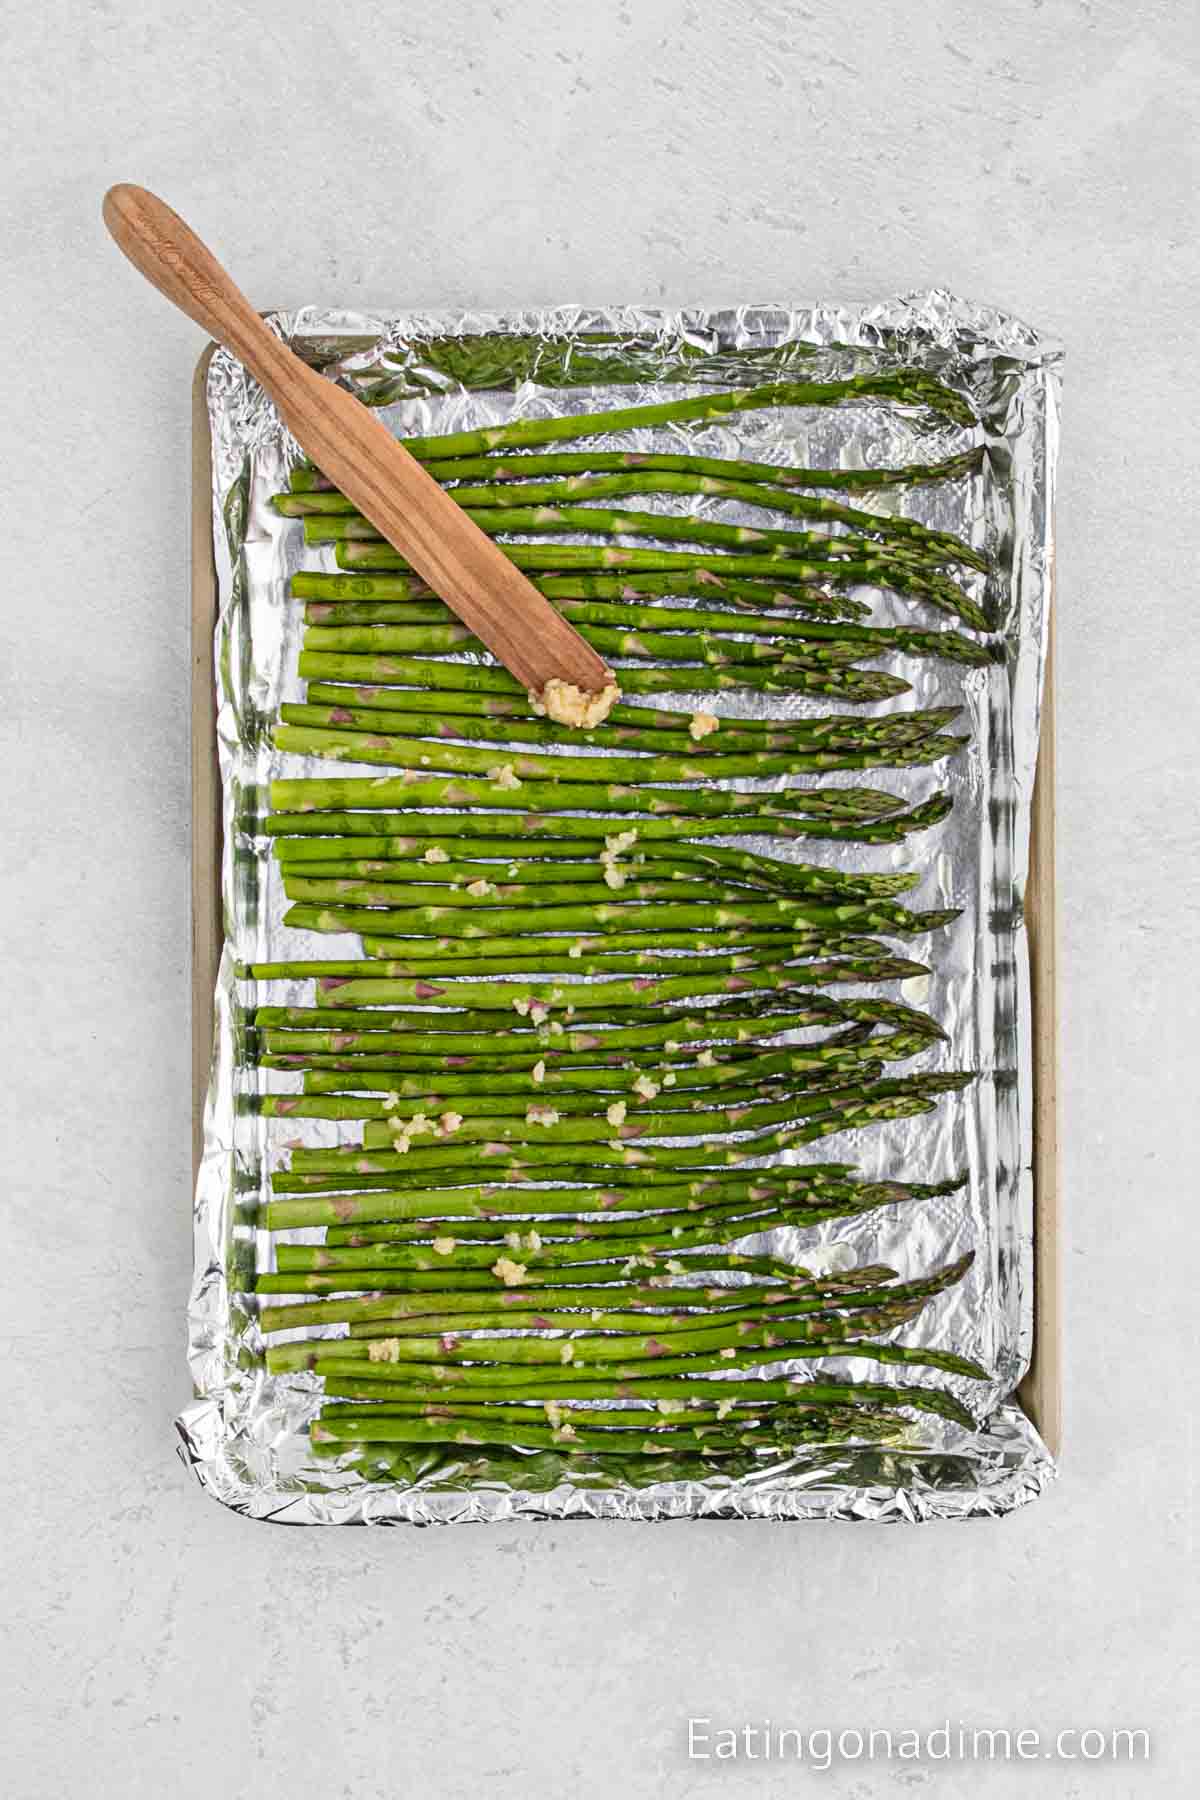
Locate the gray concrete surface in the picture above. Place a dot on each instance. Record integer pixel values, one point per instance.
(1041, 154)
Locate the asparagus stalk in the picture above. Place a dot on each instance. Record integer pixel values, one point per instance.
(417, 754)
(339, 1436)
(504, 1203)
(410, 713)
(506, 1149)
(905, 577)
(808, 1059)
(569, 490)
(346, 1030)
(559, 1128)
(786, 544)
(306, 479)
(751, 1344)
(650, 963)
(501, 1380)
(519, 1161)
(729, 1222)
(538, 999)
(371, 1312)
(492, 908)
(357, 863)
(854, 686)
(481, 923)
(906, 387)
(437, 857)
(661, 953)
(654, 1388)
(313, 794)
(477, 827)
(674, 1326)
(729, 655)
(613, 627)
(396, 591)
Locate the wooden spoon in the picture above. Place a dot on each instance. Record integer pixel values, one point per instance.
(360, 456)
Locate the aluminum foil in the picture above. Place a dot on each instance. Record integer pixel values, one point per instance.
(244, 1435)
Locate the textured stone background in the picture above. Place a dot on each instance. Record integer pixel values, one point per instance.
(1040, 154)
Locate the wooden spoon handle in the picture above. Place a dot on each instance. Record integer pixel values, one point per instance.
(361, 457)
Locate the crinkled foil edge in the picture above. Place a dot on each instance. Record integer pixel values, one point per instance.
(230, 1443)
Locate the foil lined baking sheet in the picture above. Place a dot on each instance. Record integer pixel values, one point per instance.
(244, 1435)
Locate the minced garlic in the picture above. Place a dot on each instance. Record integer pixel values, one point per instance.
(504, 776)
(541, 1115)
(449, 1123)
(702, 724)
(445, 1246)
(479, 890)
(435, 854)
(512, 1274)
(539, 1072)
(616, 1113)
(645, 1087)
(383, 1350)
(620, 840)
(567, 704)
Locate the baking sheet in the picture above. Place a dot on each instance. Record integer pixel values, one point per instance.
(243, 1436)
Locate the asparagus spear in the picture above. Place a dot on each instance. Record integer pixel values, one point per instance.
(758, 1067)
(905, 577)
(507, 997)
(505, 1149)
(906, 387)
(464, 922)
(676, 1327)
(653, 1388)
(305, 479)
(350, 859)
(339, 1436)
(500, 1380)
(609, 626)
(725, 1222)
(417, 754)
(313, 794)
(380, 1312)
(855, 686)
(599, 486)
(785, 544)
(502, 1203)
(507, 1353)
(727, 655)
(349, 1029)
(426, 854)
(411, 712)
(492, 908)
(750, 593)
(650, 963)
(659, 953)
